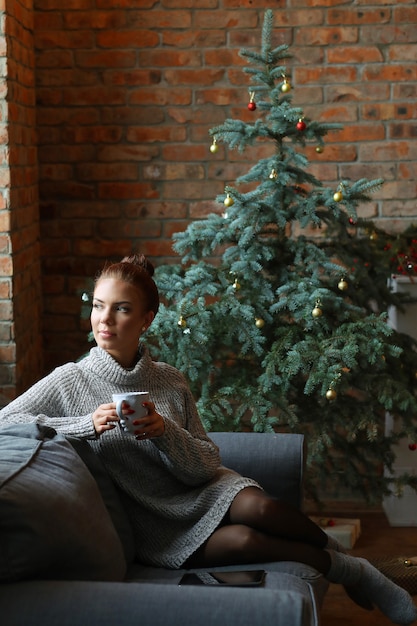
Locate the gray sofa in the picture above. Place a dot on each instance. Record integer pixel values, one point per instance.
(291, 595)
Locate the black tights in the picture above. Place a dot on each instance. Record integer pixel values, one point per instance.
(259, 529)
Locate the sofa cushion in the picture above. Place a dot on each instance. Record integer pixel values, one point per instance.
(53, 521)
(109, 494)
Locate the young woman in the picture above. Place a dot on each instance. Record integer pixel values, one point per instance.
(191, 510)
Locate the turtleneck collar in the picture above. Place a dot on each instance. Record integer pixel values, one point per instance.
(104, 366)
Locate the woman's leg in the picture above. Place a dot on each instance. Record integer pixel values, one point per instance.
(259, 529)
(237, 544)
(253, 507)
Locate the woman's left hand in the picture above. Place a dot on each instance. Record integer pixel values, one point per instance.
(150, 426)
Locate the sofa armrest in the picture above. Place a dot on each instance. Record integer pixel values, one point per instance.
(46, 603)
(275, 460)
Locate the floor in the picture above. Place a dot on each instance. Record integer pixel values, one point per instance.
(377, 539)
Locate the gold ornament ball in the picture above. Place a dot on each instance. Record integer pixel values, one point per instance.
(338, 196)
(316, 312)
(228, 201)
(259, 322)
(343, 285)
(236, 285)
(319, 149)
(331, 394)
(214, 148)
(286, 87)
(181, 322)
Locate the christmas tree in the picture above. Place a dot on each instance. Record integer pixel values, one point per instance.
(277, 312)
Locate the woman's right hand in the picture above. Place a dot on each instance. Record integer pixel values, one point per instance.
(105, 417)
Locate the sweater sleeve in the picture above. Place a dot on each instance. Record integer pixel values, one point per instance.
(45, 403)
(185, 447)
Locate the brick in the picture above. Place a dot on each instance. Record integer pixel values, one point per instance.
(355, 54)
(127, 4)
(8, 353)
(358, 16)
(356, 171)
(223, 58)
(292, 18)
(194, 77)
(200, 210)
(193, 190)
(358, 91)
(5, 292)
(208, 115)
(190, 4)
(130, 228)
(180, 152)
(403, 53)
(61, 39)
(6, 267)
(390, 73)
(107, 171)
(155, 209)
(387, 151)
(405, 14)
(124, 190)
(161, 96)
(326, 36)
(400, 208)
(367, 132)
(148, 134)
(404, 33)
(95, 20)
(388, 111)
(407, 171)
(229, 19)
(130, 152)
(401, 190)
(338, 153)
(176, 171)
(195, 38)
(328, 75)
(403, 131)
(171, 58)
(161, 19)
(133, 77)
(106, 59)
(219, 96)
(127, 39)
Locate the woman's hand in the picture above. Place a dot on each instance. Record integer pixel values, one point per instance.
(105, 417)
(150, 426)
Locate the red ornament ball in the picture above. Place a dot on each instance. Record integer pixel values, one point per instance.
(301, 125)
(252, 106)
(412, 446)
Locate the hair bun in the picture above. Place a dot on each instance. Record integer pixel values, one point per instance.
(141, 261)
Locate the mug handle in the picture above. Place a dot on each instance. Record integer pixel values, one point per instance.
(119, 406)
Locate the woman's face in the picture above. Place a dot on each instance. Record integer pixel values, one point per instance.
(118, 318)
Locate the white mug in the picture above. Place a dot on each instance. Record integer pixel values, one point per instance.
(135, 401)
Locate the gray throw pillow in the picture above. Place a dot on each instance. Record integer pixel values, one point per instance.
(53, 521)
(109, 493)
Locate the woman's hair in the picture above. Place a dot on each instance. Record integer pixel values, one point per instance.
(137, 271)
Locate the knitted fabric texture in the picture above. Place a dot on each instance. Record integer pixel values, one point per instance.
(173, 487)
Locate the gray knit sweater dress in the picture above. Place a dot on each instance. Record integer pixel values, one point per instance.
(174, 487)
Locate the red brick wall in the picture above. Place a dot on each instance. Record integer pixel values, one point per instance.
(20, 293)
(128, 90)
